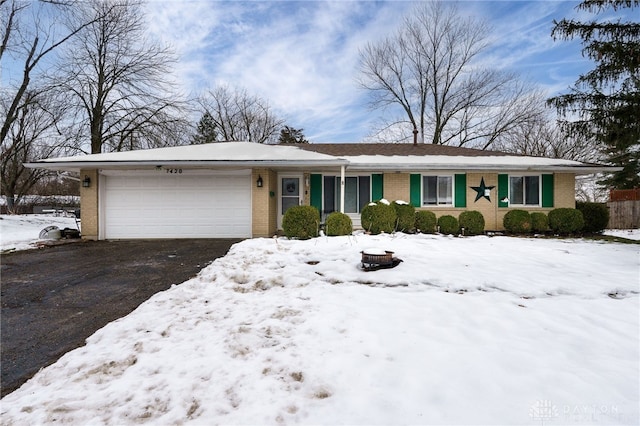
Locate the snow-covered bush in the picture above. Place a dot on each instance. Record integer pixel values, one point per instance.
(338, 224)
(406, 216)
(378, 217)
(426, 221)
(301, 222)
(517, 221)
(472, 221)
(565, 221)
(448, 225)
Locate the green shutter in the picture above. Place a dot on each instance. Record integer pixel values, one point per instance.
(377, 187)
(316, 191)
(547, 190)
(460, 195)
(414, 190)
(503, 190)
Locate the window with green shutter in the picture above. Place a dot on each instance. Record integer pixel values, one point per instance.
(547, 190)
(503, 190)
(460, 198)
(414, 190)
(377, 186)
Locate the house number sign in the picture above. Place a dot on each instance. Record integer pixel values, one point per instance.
(174, 171)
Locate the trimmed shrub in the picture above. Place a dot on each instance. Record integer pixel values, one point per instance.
(406, 216)
(426, 221)
(539, 222)
(595, 215)
(472, 222)
(566, 221)
(517, 221)
(301, 222)
(378, 217)
(338, 224)
(448, 225)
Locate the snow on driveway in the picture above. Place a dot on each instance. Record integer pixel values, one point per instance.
(481, 330)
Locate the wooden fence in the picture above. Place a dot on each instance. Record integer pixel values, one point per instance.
(624, 214)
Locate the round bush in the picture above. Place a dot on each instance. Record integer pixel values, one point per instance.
(406, 216)
(338, 224)
(539, 222)
(472, 222)
(301, 222)
(596, 217)
(448, 225)
(517, 221)
(378, 217)
(566, 221)
(426, 221)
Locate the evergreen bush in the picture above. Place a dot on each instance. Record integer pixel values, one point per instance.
(517, 221)
(338, 224)
(539, 222)
(472, 221)
(301, 222)
(565, 221)
(378, 217)
(426, 221)
(596, 216)
(448, 225)
(406, 216)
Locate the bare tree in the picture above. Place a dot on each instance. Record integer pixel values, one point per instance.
(429, 69)
(116, 80)
(238, 116)
(544, 138)
(28, 44)
(31, 136)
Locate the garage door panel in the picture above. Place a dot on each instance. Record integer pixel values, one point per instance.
(177, 206)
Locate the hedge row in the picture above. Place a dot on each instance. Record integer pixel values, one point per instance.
(587, 218)
(304, 221)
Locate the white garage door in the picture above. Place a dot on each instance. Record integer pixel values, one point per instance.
(181, 204)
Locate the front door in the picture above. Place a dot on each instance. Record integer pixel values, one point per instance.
(290, 194)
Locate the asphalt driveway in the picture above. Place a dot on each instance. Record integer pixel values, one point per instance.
(54, 298)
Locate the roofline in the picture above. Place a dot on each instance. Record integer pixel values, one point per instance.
(578, 169)
(77, 165)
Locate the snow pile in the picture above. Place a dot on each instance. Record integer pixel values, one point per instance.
(630, 234)
(482, 330)
(20, 232)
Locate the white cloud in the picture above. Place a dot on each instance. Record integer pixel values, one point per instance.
(303, 56)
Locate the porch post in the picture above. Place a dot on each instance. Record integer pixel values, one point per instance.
(341, 189)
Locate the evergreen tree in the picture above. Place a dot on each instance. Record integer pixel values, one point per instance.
(291, 135)
(206, 132)
(604, 104)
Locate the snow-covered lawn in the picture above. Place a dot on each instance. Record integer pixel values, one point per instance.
(20, 232)
(480, 330)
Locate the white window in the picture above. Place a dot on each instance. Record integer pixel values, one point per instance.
(437, 190)
(524, 190)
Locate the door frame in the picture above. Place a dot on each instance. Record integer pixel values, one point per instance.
(281, 176)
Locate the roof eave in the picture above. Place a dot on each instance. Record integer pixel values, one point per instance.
(80, 165)
(577, 169)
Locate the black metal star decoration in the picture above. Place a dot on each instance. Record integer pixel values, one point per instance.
(483, 191)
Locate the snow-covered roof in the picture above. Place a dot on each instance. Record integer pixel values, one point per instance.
(382, 157)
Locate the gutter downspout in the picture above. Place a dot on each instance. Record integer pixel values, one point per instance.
(342, 189)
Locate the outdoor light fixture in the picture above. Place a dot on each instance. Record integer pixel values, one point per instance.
(259, 181)
(86, 182)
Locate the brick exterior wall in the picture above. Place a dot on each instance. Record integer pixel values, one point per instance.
(396, 186)
(89, 213)
(264, 207)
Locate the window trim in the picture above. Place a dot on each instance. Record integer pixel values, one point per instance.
(437, 205)
(524, 190)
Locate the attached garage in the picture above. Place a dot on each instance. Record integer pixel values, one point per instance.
(175, 203)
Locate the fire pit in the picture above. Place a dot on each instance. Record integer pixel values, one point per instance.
(374, 259)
